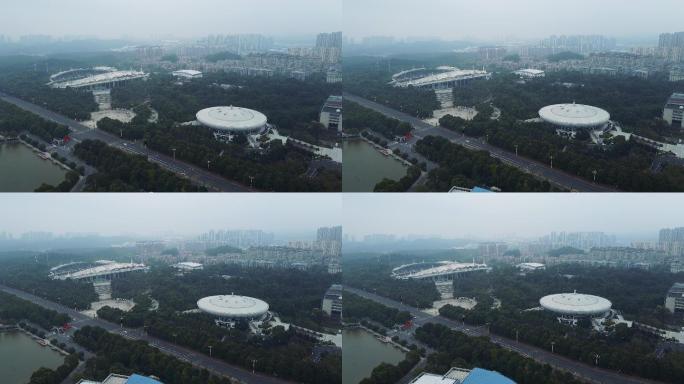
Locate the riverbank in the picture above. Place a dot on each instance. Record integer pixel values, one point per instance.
(386, 151)
(47, 156)
(379, 337)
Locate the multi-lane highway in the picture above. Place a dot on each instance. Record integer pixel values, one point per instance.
(197, 175)
(200, 360)
(423, 129)
(586, 372)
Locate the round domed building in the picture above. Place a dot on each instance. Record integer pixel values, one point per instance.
(230, 309)
(225, 121)
(572, 306)
(575, 116)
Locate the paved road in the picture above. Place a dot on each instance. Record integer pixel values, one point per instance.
(587, 372)
(197, 175)
(215, 366)
(423, 129)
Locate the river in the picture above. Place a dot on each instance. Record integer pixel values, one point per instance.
(20, 356)
(364, 166)
(361, 352)
(21, 170)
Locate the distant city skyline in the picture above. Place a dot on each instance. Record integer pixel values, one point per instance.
(150, 19)
(151, 215)
(496, 215)
(503, 20)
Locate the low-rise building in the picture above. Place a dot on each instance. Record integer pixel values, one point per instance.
(331, 113)
(674, 300)
(332, 301)
(529, 73)
(186, 266)
(463, 376)
(114, 378)
(187, 74)
(525, 267)
(672, 113)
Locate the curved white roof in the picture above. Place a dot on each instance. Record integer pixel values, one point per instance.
(232, 119)
(574, 115)
(233, 306)
(575, 304)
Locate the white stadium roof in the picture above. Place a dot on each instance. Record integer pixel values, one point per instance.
(232, 119)
(233, 306)
(575, 304)
(102, 270)
(102, 78)
(574, 115)
(191, 72)
(445, 268)
(451, 75)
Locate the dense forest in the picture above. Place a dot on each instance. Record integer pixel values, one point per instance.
(300, 303)
(55, 376)
(122, 172)
(638, 294)
(369, 79)
(284, 353)
(390, 374)
(358, 118)
(456, 349)
(15, 310)
(31, 275)
(459, 166)
(14, 121)
(357, 308)
(115, 354)
(623, 164)
(401, 185)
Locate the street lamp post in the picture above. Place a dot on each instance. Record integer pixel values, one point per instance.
(551, 161)
(210, 347)
(516, 149)
(552, 344)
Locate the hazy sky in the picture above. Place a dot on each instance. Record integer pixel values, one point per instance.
(487, 215)
(154, 18)
(501, 19)
(152, 214)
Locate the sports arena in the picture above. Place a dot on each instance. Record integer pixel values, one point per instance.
(573, 306)
(229, 309)
(575, 116)
(225, 121)
(443, 77)
(94, 78)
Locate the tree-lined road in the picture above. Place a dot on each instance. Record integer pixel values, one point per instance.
(197, 359)
(586, 372)
(197, 175)
(423, 129)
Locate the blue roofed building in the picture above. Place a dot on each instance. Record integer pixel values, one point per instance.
(463, 376)
(114, 378)
(483, 376)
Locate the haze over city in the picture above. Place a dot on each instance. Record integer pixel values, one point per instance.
(155, 214)
(509, 20)
(509, 215)
(158, 18)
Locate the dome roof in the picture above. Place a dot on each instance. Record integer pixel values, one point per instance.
(233, 306)
(576, 304)
(574, 115)
(232, 118)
